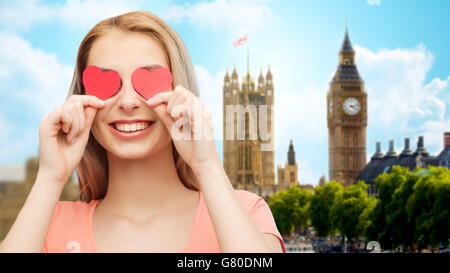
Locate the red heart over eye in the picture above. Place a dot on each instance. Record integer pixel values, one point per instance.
(99, 84)
(149, 83)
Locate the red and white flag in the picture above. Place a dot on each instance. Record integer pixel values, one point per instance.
(241, 41)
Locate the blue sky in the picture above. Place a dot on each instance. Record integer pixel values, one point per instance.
(401, 52)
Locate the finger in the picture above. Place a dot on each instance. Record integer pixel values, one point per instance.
(88, 100)
(163, 115)
(51, 124)
(160, 98)
(175, 100)
(90, 116)
(184, 127)
(82, 119)
(181, 109)
(78, 114)
(75, 125)
(65, 118)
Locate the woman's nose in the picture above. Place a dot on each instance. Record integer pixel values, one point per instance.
(128, 98)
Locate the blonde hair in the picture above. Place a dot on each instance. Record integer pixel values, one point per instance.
(92, 170)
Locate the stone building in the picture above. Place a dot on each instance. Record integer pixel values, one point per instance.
(15, 184)
(288, 175)
(381, 163)
(247, 165)
(346, 119)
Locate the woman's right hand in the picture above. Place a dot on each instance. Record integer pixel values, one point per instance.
(63, 135)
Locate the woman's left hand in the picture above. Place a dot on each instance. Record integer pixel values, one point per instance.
(188, 121)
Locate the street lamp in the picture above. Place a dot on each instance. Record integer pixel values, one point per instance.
(345, 244)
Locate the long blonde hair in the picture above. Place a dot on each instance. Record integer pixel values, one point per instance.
(92, 171)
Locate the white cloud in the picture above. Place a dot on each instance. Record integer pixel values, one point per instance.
(374, 2)
(31, 75)
(401, 103)
(33, 83)
(21, 15)
(236, 16)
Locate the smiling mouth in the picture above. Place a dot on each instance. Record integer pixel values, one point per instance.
(131, 127)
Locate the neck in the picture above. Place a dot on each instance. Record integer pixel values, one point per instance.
(146, 184)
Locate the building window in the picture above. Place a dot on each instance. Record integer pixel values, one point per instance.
(292, 177)
(250, 157)
(240, 155)
(246, 157)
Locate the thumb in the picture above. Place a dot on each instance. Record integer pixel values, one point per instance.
(164, 116)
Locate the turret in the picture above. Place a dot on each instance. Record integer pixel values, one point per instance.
(234, 76)
(226, 79)
(391, 152)
(260, 79)
(378, 154)
(291, 154)
(406, 150)
(421, 147)
(346, 54)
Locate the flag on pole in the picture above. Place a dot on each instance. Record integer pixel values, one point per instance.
(240, 41)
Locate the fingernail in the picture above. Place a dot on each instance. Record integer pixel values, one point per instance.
(150, 100)
(73, 140)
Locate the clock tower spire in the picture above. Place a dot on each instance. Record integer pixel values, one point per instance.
(346, 118)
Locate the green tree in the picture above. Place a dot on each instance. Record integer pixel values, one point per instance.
(396, 215)
(301, 215)
(321, 203)
(349, 212)
(291, 209)
(281, 212)
(428, 207)
(386, 184)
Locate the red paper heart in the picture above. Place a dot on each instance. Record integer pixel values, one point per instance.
(99, 84)
(149, 83)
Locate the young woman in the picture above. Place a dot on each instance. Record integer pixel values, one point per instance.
(142, 187)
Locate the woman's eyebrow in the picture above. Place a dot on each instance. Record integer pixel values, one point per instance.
(106, 69)
(148, 67)
(151, 67)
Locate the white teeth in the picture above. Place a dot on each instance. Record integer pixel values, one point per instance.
(131, 127)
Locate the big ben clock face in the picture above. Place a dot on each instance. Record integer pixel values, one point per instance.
(352, 106)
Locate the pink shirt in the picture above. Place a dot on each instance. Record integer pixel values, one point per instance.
(71, 225)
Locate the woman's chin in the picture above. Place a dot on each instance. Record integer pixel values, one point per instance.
(131, 154)
(132, 151)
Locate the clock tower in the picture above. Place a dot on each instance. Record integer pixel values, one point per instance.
(346, 119)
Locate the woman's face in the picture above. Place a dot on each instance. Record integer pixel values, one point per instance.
(127, 127)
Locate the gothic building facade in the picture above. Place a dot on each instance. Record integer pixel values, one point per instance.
(288, 175)
(381, 163)
(13, 194)
(248, 165)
